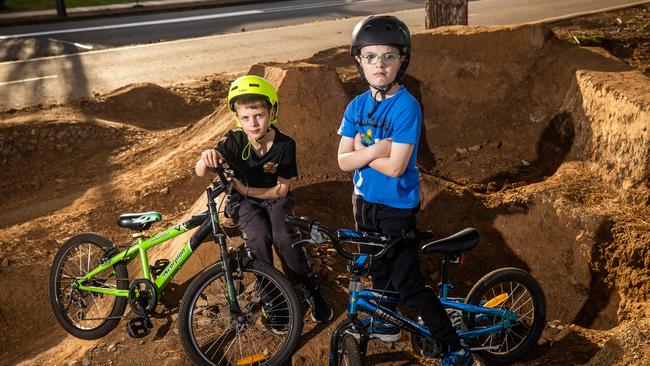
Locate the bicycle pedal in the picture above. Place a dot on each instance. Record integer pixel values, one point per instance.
(138, 327)
(159, 266)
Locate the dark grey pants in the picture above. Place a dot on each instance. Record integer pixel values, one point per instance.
(400, 270)
(262, 224)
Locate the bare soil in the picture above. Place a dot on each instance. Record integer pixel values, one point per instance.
(542, 145)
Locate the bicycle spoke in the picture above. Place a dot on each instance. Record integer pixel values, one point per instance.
(88, 265)
(231, 344)
(221, 338)
(239, 342)
(528, 302)
(525, 315)
(518, 299)
(274, 308)
(515, 302)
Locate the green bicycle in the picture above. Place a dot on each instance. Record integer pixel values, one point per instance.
(238, 311)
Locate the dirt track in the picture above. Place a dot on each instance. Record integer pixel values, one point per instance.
(542, 146)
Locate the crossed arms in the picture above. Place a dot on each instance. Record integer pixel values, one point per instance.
(388, 157)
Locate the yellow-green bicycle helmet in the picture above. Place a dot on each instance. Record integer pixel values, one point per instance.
(255, 85)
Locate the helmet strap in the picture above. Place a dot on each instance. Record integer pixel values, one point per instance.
(380, 91)
(256, 143)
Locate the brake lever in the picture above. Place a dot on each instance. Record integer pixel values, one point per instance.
(299, 242)
(316, 236)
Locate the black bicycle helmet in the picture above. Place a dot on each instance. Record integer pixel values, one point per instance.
(382, 30)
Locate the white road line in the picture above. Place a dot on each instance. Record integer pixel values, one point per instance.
(185, 19)
(132, 25)
(184, 40)
(30, 79)
(78, 45)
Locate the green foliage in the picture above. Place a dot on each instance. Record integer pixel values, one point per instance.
(29, 5)
(638, 24)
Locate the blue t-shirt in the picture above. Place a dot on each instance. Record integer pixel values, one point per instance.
(399, 118)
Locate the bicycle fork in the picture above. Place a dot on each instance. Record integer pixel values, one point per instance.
(351, 322)
(220, 240)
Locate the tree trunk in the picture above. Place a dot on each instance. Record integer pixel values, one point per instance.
(445, 12)
(60, 8)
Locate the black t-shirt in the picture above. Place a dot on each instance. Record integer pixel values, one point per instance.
(260, 172)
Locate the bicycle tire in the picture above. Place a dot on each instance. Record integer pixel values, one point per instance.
(525, 297)
(350, 354)
(87, 250)
(204, 312)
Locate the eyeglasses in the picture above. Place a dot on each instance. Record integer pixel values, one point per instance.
(386, 59)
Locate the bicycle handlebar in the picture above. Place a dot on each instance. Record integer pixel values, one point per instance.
(315, 229)
(222, 172)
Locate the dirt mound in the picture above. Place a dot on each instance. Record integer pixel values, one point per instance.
(539, 111)
(541, 146)
(151, 107)
(628, 346)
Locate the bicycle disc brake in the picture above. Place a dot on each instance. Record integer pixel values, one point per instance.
(142, 296)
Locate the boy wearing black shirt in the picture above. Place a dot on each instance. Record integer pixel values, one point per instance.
(265, 162)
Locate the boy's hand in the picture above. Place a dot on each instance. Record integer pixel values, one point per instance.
(358, 145)
(238, 186)
(212, 158)
(383, 148)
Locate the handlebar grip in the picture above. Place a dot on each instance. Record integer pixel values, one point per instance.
(295, 221)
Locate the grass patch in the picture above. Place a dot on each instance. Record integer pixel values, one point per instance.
(30, 5)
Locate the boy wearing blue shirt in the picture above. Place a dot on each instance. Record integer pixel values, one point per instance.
(379, 139)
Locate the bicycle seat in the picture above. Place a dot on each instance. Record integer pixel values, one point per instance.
(462, 241)
(138, 221)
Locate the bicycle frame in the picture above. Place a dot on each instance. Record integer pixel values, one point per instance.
(368, 301)
(364, 302)
(208, 222)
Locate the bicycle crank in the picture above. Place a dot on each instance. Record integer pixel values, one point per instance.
(142, 296)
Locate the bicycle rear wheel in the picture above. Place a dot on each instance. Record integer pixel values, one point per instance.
(86, 315)
(515, 290)
(267, 330)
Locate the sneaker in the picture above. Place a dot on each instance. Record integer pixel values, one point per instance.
(276, 319)
(320, 311)
(377, 329)
(454, 359)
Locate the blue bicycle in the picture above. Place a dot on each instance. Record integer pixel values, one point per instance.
(501, 318)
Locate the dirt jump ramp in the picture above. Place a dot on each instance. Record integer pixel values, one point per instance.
(501, 105)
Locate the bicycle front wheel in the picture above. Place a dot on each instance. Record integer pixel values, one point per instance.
(515, 290)
(86, 315)
(349, 353)
(265, 332)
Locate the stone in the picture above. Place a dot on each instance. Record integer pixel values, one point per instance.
(461, 150)
(474, 148)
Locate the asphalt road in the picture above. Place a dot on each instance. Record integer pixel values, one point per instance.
(111, 32)
(56, 79)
